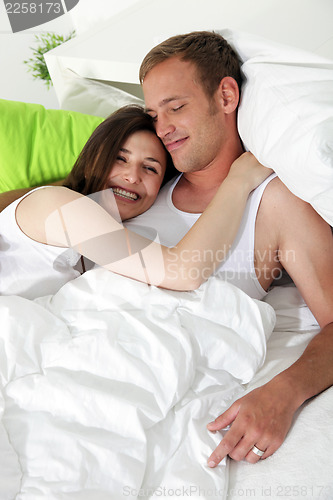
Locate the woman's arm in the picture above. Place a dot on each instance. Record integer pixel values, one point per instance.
(61, 217)
(8, 197)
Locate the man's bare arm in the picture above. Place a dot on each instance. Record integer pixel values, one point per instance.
(264, 416)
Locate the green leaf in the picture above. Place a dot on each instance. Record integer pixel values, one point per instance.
(36, 64)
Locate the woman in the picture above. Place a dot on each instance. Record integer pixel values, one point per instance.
(45, 233)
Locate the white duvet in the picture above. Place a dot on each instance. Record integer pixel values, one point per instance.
(107, 387)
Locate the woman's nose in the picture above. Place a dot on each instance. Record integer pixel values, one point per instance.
(132, 174)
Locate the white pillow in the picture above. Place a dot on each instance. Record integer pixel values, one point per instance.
(93, 97)
(286, 115)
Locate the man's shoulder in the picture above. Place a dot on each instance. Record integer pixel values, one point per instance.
(277, 199)
(285, 212)
(276, 189)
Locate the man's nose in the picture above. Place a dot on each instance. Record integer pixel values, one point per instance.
(164, 126)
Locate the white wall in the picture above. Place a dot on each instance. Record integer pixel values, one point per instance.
(303, 23)
(89, 13)
(15, 82)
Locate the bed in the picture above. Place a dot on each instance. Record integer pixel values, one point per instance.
(106, 395)
(106, 388)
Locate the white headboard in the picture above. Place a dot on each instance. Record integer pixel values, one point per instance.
(113, 51)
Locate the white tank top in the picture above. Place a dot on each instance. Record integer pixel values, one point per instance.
(163, 222)
(28, 268)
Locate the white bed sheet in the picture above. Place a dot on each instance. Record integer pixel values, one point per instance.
(108, 385)
(100, 400)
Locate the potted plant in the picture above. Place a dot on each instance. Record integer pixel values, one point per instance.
(36, 64)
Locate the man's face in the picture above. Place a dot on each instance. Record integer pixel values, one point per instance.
(191, 126)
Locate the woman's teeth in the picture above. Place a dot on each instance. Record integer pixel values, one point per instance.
(125, 194)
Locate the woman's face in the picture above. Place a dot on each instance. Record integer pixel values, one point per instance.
(137, 174)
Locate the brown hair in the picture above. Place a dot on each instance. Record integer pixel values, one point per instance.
(92, 167)
(212, 55)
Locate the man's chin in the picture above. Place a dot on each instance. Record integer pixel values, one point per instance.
(178, 164)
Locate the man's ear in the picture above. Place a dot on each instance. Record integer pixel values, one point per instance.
(228, 93)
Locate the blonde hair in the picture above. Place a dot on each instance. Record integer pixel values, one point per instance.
(212, 55)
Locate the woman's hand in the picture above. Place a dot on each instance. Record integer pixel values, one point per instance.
(247, 169)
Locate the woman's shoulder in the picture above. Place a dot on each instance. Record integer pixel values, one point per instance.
(54, 194)
(34, 209)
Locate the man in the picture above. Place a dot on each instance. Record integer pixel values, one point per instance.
(191, 88)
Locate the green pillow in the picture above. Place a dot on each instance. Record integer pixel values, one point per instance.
(39, 145)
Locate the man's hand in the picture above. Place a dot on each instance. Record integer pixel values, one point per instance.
(261, 418)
